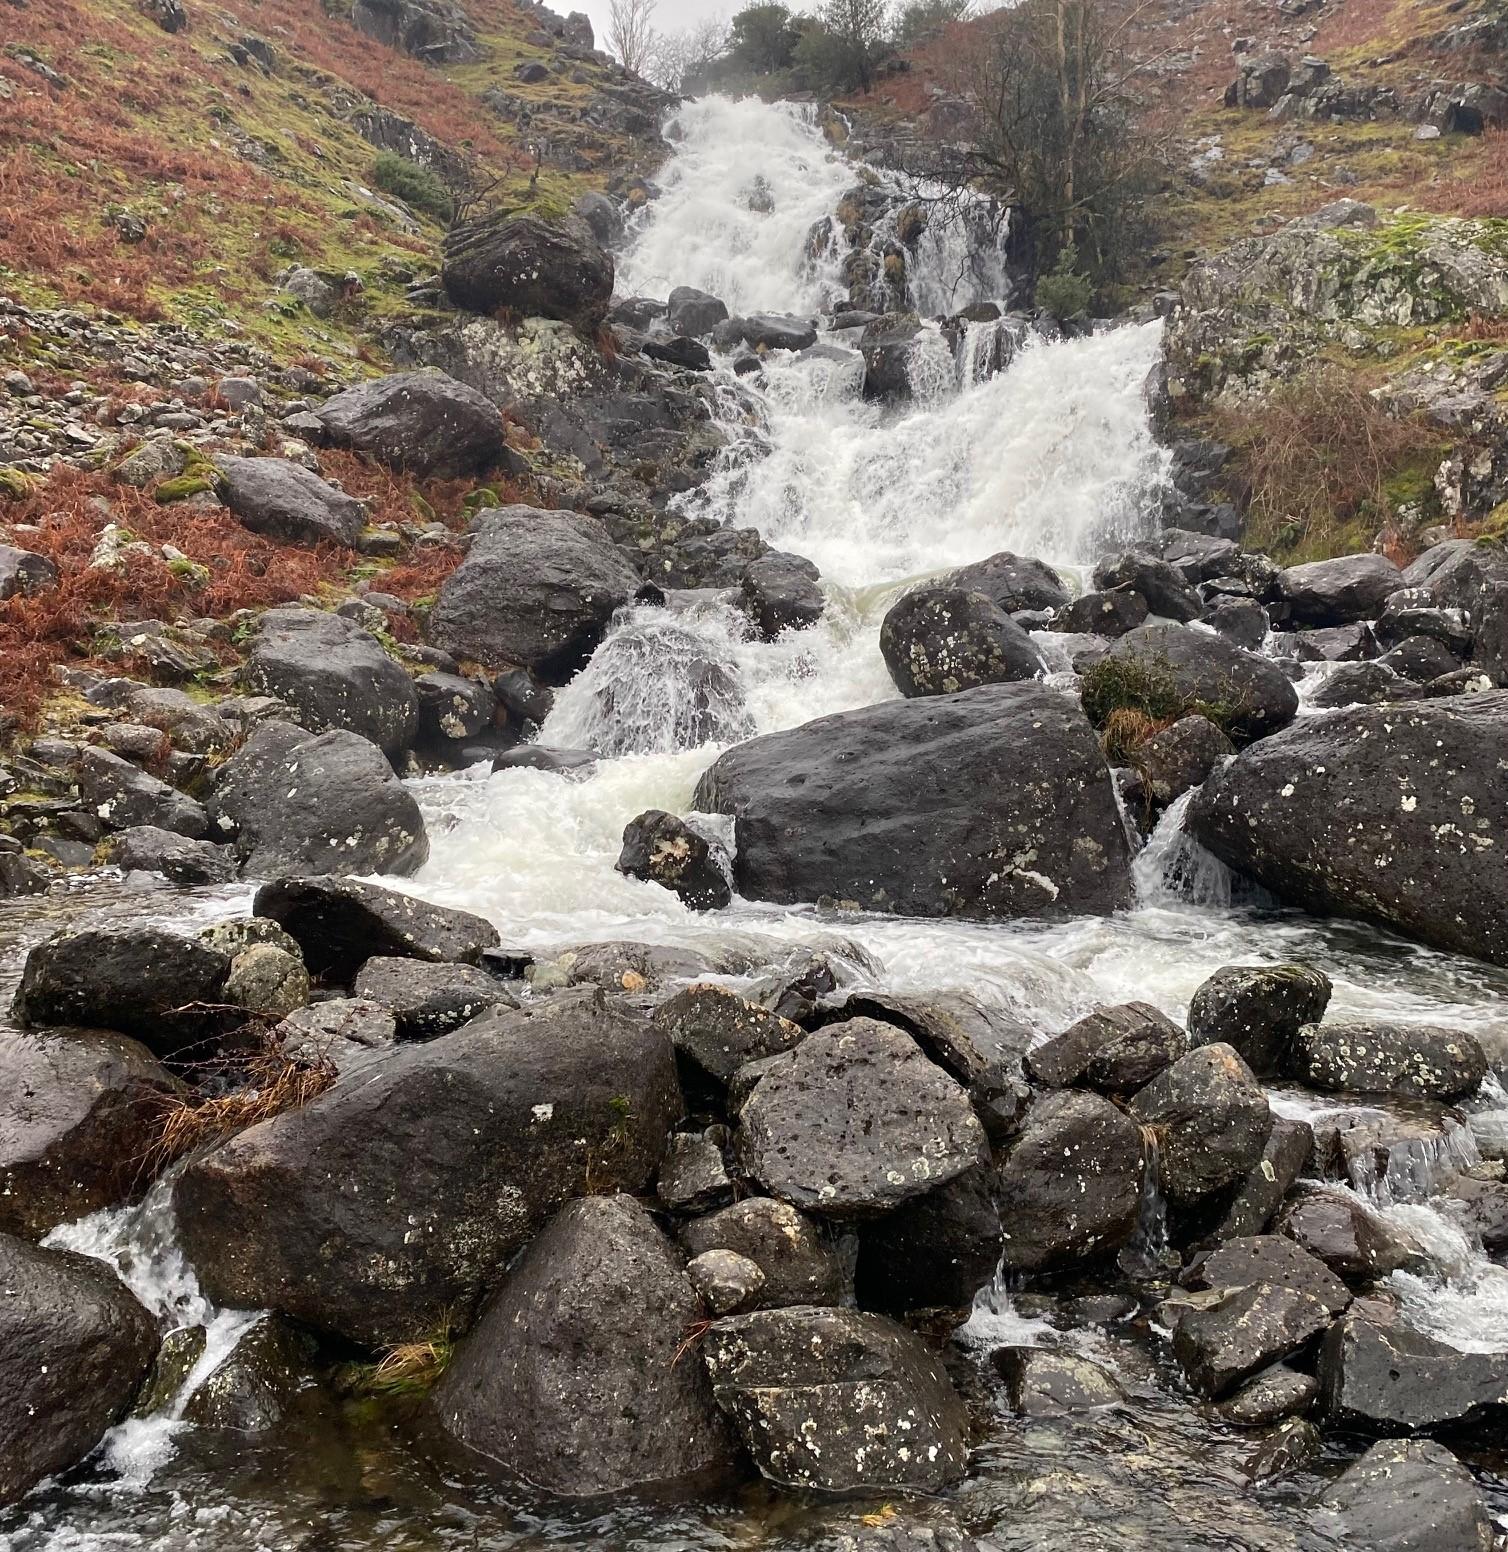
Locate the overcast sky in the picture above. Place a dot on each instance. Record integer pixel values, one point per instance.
(670, 15)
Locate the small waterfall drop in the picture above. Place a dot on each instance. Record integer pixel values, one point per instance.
(1173, 869)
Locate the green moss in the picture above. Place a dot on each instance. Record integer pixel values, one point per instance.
(14, 485)
(182, 488)
(1130, 684)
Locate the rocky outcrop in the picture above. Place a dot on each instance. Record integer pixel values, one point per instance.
(575, 1378)
(434, 1166)
(436, 31)
(900, 807)
(424, 422)
(531, 266)
(1392, 814)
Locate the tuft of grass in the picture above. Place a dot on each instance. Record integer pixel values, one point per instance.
(1126, 729)
(1136, 686)
(408, 1368)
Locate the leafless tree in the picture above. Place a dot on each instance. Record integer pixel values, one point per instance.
(631, 33)
(680, 60)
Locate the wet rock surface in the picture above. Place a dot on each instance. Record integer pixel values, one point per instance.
(937, 641)
(1258, 1010)
(1411, 1060)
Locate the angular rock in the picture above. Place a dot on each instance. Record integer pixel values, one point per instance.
(725, 1281)
(937, 641)
(1339, 591)
(664, 850)
(1361, 684)
(287, 502)
(267, 980)
(532, 266)
(1258, 1009)
(715, 1032)
(798, 1266)
(1040, 1382)
(426, 423)
(856, 1121)
(536, 589)
(453, 708)
(573, 1378)
(887, 344)
(329, 804)
(1103, 614)
(1165, 589)
(340, 923)
(1410, 1495)
(1071, 1184)
(79, 1112)
(1176, 759)
(782, 592)
(74, 1347)
(1268, 1258)
(835, 1400)
(934, 1252)
(1384, 813)
(147, 849)
(1334, 644)
(1415, 1061)
(768, 331)
(24, 574)
(335, 676)
(145, 981)
(1251, 1327)
(1335, 1228)
(693, 1175)
(1242, 621)
(434, 1166)
(1254, 1201)
(429, 999)
(900, 807)
(123, 795)
(1211, 1119)
(339, 1033)
(1116, 1050)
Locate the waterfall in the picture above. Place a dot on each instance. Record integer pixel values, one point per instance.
(1173, 869)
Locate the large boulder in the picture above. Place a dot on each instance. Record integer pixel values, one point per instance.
(1415, 1061)
(902, 807)
(300, 804)
(426, 423)
(1336, 592)
(1186, 669)
(389, 1203)
(1257, 1009)
(938, 640)
(1389, 813)
(887, 344)
(1409, 1495)
(691, 312)
(287, 502)
(532, 266)
(1071, 1184)
(123, 795)
(782, 592)
(333, 675)
(340, 923)
(1211, 1119)
(574, 1378)
(79, 1112)
(1013, 582)
(150, 982)
(836, 1400)
(74, 1347)
(536, 589)
(855, 1121)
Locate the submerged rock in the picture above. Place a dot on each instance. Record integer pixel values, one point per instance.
(901, 807)
(1041, 1382)
(574, 1379)
(835, 1400)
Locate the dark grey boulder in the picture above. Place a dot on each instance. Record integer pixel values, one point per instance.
(599, 211)
(1415, 1061)
(715, 1032)
(80, 1110)
(1013, 582)
(1269, 1397)
(1336, 592)
(767, 331)
(1333, 644)
(433, 1167)
(725, 1281)
(426, 423)
(340, 923)
(122, 795)
(937, 641)
(1361, 684)
(1247, 1260)
(689, 354)
(1409, 614)
(934, 1252)
(24, 574)
(663, 849)
(856, 1121)
(74, 1347)
(1176, 759)
(334, 675)
(574, 1379)
(1252, 1203)
(782, 592)
(1420, 659)
(1115, 1050)
(524, 700)
(429, 999)
(887, 344)
(253, 1389)
(287, 502)
(1164, 587)
(836, 1400)
(1042, 1382)
(453, 708)
(694, 313)
(338, 1032)
(1242, 621)
(147, 849)
(1384, 813)
(570, 763)
(1107, 614)
(1249, 696)
(532, 266)
(159, 986)
(1199, 557)
(1258, 1009)
(1071, 1184)
(536, 589)
(1211, 1120)
(1221, 1344)
(1391, 1379)
(1409, 1495)
(1334, 1227)
(330, 803)
(900, 807)
(799, 1266)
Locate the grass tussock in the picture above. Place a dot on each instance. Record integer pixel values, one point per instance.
(1321, 462)
(409, 1368)
(1126, 729)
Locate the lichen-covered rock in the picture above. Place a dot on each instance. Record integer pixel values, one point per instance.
(532, 266)
(836, 1400)
(1012, 582)
(1415, 1061)
(1176, 759)
(148, 849)
(1410, 1495)
(1258, 1009)
(1221, 1344)
(1116, 1050)
(715, 1032)
(429, 999)
(663, 849)
(124, 795)
(937, 641)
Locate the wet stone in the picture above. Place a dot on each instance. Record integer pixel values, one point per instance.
(1041, 1382)
(1276, 1393)
(1251, 1327)
(1411, 1060)
(1258, 1009)
(1410, 1495)
(798, 1265)
(693, 1176)
(1115, 1050)
(725, 1280)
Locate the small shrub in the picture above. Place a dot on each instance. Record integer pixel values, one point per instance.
(417, 186)
(1130, 685)
(1063, 291)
